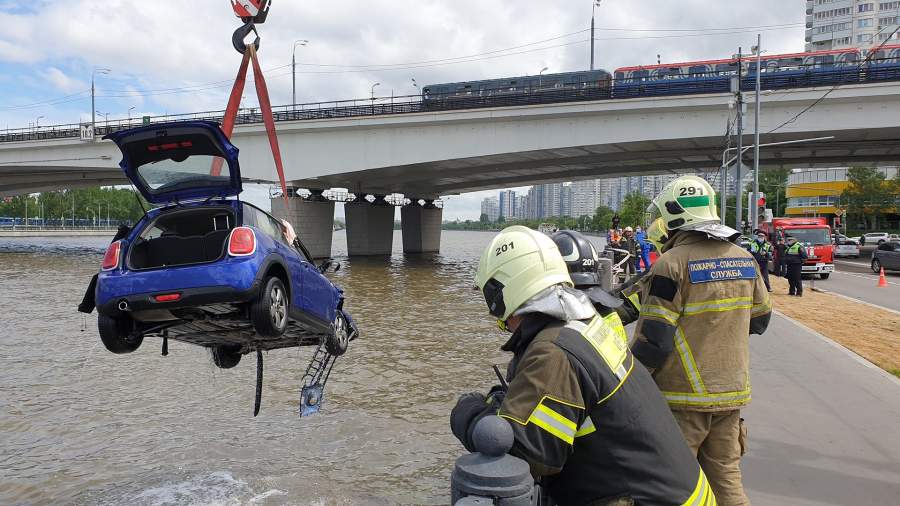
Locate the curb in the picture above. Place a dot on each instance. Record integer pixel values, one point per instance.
(852, 354)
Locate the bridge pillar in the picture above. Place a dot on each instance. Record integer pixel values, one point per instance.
(312, 219)
(370, 227)
(421, 227)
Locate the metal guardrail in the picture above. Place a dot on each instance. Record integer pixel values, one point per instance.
(378, 106)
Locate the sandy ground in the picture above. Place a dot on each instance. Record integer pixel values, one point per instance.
(868, 331)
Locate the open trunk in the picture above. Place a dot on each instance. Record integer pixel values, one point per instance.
(182, 237)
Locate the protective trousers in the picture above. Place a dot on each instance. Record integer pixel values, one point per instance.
(795, 283)
(719, 440)
(764, 271)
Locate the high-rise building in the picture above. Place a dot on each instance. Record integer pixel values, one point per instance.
(837, 24)
(508, 204)
(565, 199)
(490, 206)
(586, 197)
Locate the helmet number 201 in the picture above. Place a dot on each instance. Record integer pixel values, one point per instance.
(690, 190)
(504, 248)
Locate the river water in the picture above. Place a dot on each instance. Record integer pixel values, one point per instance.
(79, 425)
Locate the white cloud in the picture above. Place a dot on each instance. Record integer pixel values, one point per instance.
(61, 81)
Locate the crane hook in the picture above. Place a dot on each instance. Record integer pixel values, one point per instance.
(237, 39)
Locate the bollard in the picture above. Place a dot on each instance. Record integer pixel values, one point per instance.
(491, 475)
(604, 268)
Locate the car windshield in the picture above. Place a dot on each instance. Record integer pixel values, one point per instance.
(809, 236)
(168, 174)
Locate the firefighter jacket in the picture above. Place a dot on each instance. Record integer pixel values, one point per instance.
(698, 305)
(589, 420)
(795, 254)
(761, 252)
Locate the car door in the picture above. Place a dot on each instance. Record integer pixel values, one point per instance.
(318, 294)
(272, 228)
(892, 257)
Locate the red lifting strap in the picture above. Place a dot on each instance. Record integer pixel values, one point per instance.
(265, 107)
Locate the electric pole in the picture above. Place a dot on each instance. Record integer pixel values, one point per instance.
(754, 211)
(740, 148)
(594, 5)
(98, 70)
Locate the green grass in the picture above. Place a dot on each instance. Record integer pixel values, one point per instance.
(895, 372)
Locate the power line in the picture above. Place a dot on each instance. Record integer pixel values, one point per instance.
(836, 86)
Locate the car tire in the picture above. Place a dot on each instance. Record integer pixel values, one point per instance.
(269, 312)
(824, 276)
(876, 266)
(226, 356)
(116, 334)
(337, 342)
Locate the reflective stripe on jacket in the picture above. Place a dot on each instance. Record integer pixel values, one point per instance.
(698, 306)
(590, 421)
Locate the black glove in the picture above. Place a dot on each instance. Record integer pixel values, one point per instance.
(467, 409)
(495, 397)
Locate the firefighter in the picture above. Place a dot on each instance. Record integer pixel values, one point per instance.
(762, 252)
(629, 243)
(697, 307)
(582, 262)
(586, 416)
(794, 257)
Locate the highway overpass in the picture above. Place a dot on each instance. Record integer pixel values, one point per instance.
(430, 154)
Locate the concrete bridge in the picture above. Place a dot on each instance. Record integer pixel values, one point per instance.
(425, 155)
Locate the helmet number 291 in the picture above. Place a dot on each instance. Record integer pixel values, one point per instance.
(504, 248)
(690, 190)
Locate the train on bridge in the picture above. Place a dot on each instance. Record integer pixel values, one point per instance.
(782, 71)
(796, 70)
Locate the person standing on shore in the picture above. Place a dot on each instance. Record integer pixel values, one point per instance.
(697, 307)
(780, 269)
(585, 415)
(794, 257)
(762, 252)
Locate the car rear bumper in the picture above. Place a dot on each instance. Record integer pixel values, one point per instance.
(188, 297)
(819, 268)
(229, 280)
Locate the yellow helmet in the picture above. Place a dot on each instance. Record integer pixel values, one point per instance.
(657, 234)
(684, 204)
(517, 265)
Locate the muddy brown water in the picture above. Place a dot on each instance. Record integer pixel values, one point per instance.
(79, 425)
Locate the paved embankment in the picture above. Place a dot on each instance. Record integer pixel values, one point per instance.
(823, 423)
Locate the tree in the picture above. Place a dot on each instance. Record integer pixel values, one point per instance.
(868, 193)
(633, 208)
(484, 219)
(501, 220)
(602, 220)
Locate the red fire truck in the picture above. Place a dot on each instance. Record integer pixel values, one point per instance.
(814, 234)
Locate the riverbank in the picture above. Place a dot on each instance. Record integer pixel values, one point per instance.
(57, 233)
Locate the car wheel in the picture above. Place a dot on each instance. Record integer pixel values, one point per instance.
(336, 343)
(226, 356)
(116, 334)
(876, 266)
(880, 242)
(269, 312)
(824, 276)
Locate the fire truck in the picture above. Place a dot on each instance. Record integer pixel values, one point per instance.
(814, 234)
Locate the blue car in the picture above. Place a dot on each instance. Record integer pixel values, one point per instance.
(204, 268)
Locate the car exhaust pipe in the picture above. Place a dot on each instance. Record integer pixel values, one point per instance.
(123, 305)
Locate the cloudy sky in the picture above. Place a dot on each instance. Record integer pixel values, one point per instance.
(173, 56)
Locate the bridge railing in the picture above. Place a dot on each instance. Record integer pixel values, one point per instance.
(378, 106)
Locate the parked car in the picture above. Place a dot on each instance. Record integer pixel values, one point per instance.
(204, 268)
(874, 238)
(846, 248)
(894, 238)
(887, 255)
(838, 237)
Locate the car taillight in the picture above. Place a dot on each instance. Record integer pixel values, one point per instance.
(242, 242)
(111, 258)
(167, 297)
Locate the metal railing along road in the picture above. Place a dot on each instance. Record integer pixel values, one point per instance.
(378, 106)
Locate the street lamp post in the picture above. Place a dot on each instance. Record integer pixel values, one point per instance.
(129, 114)
(105, 116)
(754, 211)
(372, 92)
(301, 42)
(594, 5)
(539, 76)
(415, 84)
(97, 70)
(37, 122)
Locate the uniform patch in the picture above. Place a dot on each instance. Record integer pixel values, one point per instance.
(721, 269)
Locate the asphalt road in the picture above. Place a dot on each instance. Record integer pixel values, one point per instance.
(854, 278)
(822, 423)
